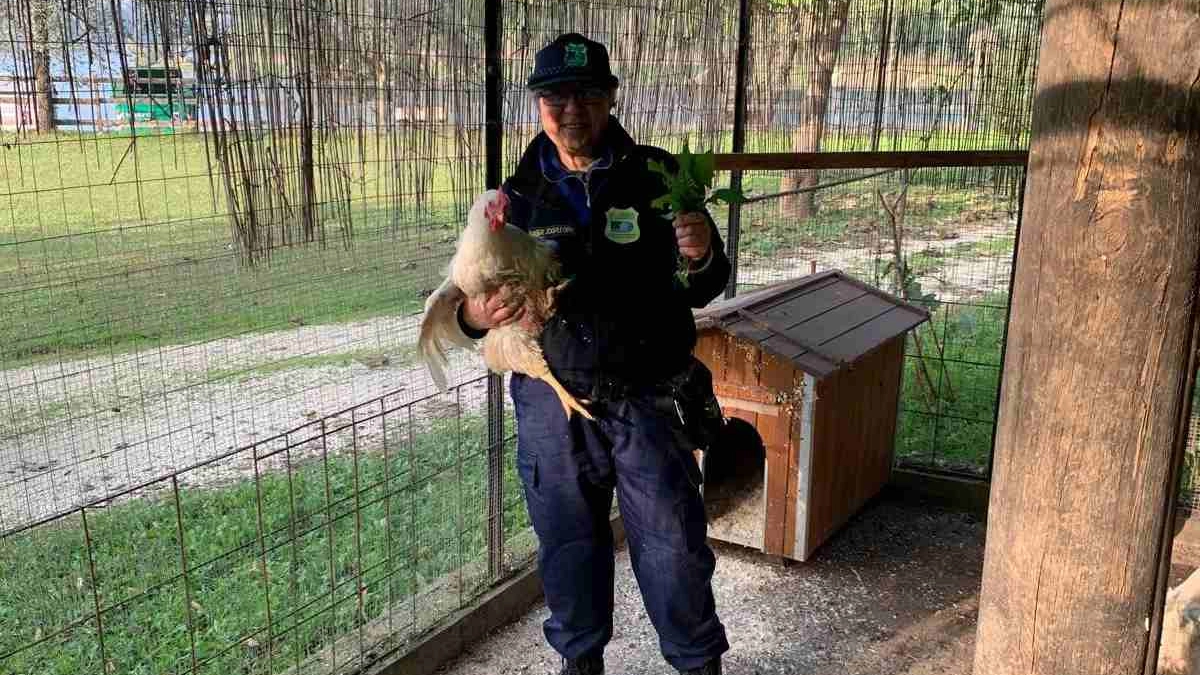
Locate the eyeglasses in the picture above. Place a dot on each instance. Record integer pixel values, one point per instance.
(587, 96)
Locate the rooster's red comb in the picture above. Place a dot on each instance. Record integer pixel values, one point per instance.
(494, 211)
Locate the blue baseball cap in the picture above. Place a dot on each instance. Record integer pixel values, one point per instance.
(571, 58)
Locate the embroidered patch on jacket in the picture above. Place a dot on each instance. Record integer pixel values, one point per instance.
(622, 226)
(552, 231)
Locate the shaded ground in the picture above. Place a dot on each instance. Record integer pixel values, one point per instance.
(894, 594)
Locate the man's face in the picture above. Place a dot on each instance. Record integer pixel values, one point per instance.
(574, 117)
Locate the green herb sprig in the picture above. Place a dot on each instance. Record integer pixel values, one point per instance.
(689, 190)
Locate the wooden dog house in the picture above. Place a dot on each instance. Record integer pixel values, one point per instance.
(808, 374)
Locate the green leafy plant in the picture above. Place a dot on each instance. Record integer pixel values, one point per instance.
(689, 189)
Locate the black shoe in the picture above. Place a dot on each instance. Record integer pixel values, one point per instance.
(585, 665)
(711, 668)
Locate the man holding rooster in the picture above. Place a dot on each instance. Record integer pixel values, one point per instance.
(621, 338)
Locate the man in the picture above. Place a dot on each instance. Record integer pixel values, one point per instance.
(621, 338)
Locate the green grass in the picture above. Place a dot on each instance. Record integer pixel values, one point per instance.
(82, 183)
(925, 262)
(421, 515)
(950, 424)
(24, 417)
(781, 140)
(1189, 478)
(92, 267)
(852, 216)
(992, 248)
(185, 303)
(401, 356)
(113, 245)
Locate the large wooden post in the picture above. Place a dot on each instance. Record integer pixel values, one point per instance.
(1104, 306)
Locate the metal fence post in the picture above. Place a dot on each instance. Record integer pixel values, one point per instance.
(739, 140)
(495, 384)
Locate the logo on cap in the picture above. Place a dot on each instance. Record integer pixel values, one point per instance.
(575, 55)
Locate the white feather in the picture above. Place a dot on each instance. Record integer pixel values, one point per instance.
(483, 261)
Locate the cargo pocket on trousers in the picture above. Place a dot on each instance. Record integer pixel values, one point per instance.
(693, 522)
(527, 469)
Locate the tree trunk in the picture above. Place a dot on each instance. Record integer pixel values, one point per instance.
(713, 115)
(43, 85)
(785, 69)
(381, 92)
(306, 91)
(1095, 396)
(827, 27)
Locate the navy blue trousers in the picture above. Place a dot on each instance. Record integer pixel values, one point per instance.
(569, 472)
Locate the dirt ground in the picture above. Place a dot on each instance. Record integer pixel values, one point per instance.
(895, 593)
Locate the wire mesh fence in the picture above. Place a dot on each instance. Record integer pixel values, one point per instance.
(217, 451)
(341, 540)
(1189, 479)
(233, 240)
(675, 60)
(943, 239)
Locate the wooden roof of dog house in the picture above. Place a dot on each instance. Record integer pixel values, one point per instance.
(821, 322)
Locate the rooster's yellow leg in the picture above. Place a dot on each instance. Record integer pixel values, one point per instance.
(569, 402)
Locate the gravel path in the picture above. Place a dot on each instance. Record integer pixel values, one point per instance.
(958, 276)
(78, 431)
(893, 594)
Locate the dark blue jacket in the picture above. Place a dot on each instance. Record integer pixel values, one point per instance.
(624, 318)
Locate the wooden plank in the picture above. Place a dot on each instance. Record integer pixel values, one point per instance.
(788, 349)
(885, 377)
(742, 362)
(895, 300)
(1095, 397)
(824, 462)
(764, 299)
(797, 338)
(853, 439)
(775, 433)
(800, 308)
(808, 291)
(810, 363)
(781, 376)
(823, 328)
(710, 350)
(854, 344)
(800, 288)
(787, 161)
(799, 469)
(746, 392)
(797, 309)
(750, 406)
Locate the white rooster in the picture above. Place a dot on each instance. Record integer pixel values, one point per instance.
(490, 254)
